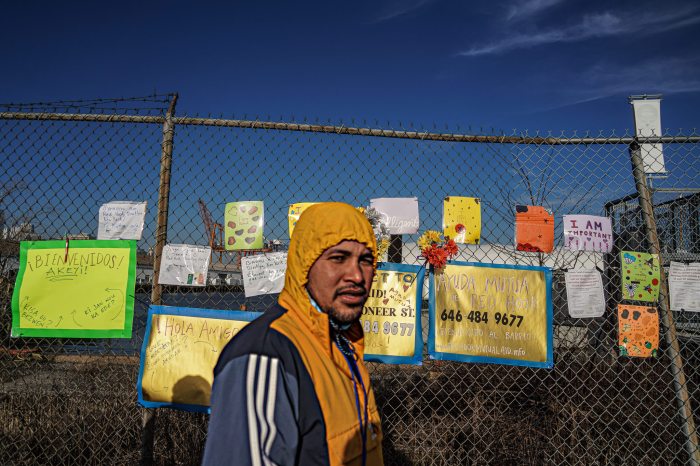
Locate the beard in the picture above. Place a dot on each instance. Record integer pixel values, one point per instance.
(345, 318)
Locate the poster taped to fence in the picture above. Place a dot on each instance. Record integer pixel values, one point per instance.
(121, 220)
(587, 233)
(75, 289)
(584, 293)
(295, 211)
(244, 225)
(638, 330)
(684, 286)
(534, 229)
(647, 123)
(180, 349)
(399, 214)
(263, 273)
(491, 313)
(391, 317)
(461, 219)
(640, 276)
(184, 265)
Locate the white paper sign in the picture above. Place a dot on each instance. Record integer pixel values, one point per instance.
(684, 286)
(399, 214)
(264, 273)
(184, 265)
(584, 293)
(587, 233)
(121, 220)
(647, 120)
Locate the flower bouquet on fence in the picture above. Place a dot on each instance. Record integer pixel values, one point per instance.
(435, 249)
(381, 232)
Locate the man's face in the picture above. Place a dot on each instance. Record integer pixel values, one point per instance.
(340, 279)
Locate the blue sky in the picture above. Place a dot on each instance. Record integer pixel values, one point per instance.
(525, 64)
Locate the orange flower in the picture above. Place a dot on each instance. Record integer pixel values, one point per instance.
(437, 256)
(451, 248)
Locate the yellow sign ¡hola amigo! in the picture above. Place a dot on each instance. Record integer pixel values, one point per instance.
(180, 355)
(492, 313)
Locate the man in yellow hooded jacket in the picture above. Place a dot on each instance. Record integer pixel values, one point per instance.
(291, 388)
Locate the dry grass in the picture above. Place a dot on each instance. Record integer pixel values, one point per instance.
(582, 412)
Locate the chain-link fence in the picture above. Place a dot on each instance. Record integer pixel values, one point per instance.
(73, 401)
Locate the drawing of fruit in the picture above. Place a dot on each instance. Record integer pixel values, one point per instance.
(256, 218)
(231, 241)
(459, 228)
(250, 240)
(232, 225)
(243, 208)
(252, 229)
(252, 210)
(239, 232)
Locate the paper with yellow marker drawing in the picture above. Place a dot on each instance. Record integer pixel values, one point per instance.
(84, 291)
(295, 211)
(461, 219)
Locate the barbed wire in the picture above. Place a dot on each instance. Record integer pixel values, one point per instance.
(121, 104)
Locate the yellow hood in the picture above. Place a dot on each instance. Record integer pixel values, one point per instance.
(320, 227)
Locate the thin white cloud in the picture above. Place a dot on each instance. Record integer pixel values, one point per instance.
(593, 26)
(669, 75)
(400, 8)
(665, 76)
(526, 8)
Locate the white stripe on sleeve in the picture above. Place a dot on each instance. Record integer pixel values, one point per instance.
(250, 405)
(270, 409)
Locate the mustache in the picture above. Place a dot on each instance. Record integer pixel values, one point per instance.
(351, 289)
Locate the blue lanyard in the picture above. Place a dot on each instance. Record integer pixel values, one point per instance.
(354, 370)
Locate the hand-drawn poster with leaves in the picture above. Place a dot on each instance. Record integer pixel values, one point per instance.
(83, 291)
(534, 229)
(244, 225)
(640, 276)
(461, 219)
(638, 330)
(180, 349)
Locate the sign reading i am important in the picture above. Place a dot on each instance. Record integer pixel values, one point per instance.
(180, 349)
(391, 315)
(491, 313)
(587, 233)
(85, 291)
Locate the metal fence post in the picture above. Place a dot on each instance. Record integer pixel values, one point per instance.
(681, 388)
(149, 415)
(395, 249)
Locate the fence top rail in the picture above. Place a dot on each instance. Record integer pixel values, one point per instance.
(346, 130)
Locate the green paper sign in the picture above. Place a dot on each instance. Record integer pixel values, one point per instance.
(640, 276)
(244, 225)
(83, 291)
